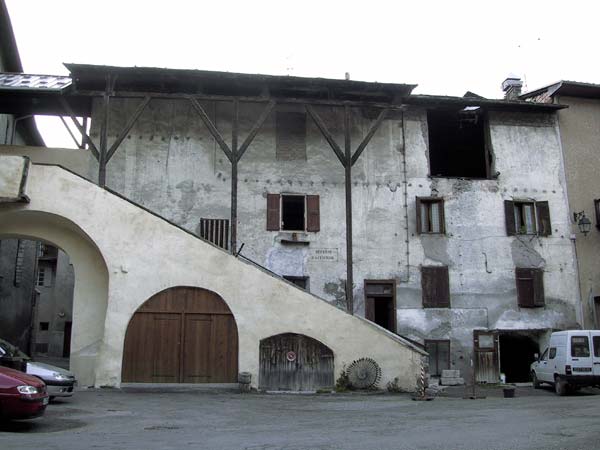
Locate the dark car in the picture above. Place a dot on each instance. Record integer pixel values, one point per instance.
(21, 396)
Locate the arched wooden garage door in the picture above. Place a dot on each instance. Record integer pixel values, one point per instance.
(294, 362)
(181, 335)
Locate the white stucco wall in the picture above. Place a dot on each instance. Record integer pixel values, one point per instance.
(144, 255)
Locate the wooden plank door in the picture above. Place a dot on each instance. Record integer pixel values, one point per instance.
(197, 348)
(166, 340)
(293, 362)
(487, 366)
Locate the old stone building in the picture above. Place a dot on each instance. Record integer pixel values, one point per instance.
(580, 138)
(443, 220)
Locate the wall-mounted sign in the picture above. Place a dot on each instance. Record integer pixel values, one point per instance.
(324, 254)
(291, 356)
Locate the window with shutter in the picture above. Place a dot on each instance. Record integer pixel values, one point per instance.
(527, 217)
(273, 214)
(530, 287)
(293, 212)
(430, 215)
(435, 286)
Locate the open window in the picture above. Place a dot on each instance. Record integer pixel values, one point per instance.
(430, 215)
(527, 217)
(293, 212)
(458, 146)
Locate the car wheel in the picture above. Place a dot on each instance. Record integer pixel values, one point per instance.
(560, 386)
(535, 381)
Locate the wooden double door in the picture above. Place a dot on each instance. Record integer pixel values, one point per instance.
(181, 335)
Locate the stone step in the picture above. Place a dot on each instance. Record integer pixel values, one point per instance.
(452, 381)
(450, 373)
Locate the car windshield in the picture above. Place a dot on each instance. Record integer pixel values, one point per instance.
(10, 351)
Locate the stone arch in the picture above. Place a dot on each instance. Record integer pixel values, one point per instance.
(90, 296)
(295, 362)
(182, 334)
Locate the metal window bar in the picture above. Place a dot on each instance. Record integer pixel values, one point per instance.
(215, 231)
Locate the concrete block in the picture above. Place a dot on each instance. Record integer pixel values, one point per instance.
(450, 373)
(452, 381)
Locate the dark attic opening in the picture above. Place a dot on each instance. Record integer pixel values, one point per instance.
(457, 144)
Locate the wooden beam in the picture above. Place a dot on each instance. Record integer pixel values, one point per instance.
(71, 114)
(255, 128)
(211, 127)
(326, 134)
(127, 128)
(69, 130)
(234, 174)
(348, 191)
(374, 127)
(257, 99)
(104, 133)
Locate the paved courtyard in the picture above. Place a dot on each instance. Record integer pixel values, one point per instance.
(108, 419)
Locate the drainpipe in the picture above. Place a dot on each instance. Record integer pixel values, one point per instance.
(405, 185)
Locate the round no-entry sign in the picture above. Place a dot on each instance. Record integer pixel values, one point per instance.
(291, 356)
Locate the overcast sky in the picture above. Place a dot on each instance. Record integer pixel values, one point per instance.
(446, 47)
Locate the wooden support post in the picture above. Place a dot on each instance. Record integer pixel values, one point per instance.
(127, 128)
(103, 159)
(348, 189)
(234, 174)
(82, 130)
(84, 135)
(69, 130)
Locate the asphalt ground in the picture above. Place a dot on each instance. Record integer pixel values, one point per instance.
(113, 419)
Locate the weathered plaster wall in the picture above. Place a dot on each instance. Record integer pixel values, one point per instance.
(125, 236)
(16, 297)
(170, 164)
(580, 135)
(55, 305)
(480, 256)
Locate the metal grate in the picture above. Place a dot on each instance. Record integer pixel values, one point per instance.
(215, 231)
(24, 81)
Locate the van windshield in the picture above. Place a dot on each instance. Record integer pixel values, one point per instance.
(580, 347)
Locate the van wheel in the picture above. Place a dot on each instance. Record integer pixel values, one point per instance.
(560, 386)
(535, 381)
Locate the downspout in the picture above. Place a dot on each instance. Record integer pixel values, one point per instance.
(405, 205)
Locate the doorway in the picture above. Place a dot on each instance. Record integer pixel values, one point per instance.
(380, 303)
(517, 349)
(181, 335)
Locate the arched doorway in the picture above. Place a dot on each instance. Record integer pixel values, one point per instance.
(181, 335)
(294, 362)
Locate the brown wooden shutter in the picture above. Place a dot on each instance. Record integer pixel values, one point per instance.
(442, 217)
(436, 287)
(543, 217)
(538, 287)
(419, 225)
(313, 220)
(370, 309)
(525, 287)
(273, 214)
(509, 216)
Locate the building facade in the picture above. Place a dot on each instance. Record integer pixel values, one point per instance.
(580, 138)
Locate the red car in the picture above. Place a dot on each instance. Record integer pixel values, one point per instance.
(21, 396)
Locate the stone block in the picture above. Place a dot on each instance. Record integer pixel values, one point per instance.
(452, 381)
(450, 373)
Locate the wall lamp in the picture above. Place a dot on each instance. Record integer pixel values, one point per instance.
(584, 224)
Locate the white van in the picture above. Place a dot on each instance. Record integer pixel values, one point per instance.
(571, 361)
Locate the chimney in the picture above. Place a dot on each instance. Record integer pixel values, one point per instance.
(347, 76)
(512, 87)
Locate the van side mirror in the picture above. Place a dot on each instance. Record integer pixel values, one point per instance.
(536, 356)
